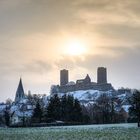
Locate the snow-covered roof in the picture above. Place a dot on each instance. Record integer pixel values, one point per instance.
(2, 107)
(30, 107)
(23, 101)
(24, 113)
(17, 107)
(126, 107)
(122, 96)
(14, 108)
(71, 83)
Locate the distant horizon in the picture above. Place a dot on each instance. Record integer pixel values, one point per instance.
(38, 38)
(47, 93)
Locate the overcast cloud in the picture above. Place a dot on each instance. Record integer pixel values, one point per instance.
(32, 33)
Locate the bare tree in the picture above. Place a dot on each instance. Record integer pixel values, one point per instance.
(135, 105)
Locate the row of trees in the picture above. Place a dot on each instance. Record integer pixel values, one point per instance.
(103, 111)
(68, 109)
(65, 109)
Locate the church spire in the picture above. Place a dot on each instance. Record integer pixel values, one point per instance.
(20, 92)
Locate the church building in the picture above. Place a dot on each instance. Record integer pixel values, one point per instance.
(20, 95)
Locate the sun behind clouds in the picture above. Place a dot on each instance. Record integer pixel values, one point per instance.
(75, 47)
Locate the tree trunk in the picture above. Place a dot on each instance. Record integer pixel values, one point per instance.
(40, 119)
(138, 122)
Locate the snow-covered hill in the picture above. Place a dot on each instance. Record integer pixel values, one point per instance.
(85, 96)
(88, 97)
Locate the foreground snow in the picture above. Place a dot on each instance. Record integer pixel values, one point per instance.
(87, 132)
(101, 126)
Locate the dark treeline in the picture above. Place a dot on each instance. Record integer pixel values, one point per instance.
(65, 109)
(68, 109)
(103, 111)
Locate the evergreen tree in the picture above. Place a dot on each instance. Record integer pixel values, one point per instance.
(66, 109)
(53, 109)
(135, 106)
(38, 113)
(7, 117)
(77, 111)
(69, 108)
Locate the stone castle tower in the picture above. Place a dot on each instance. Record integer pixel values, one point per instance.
(102, 75)
(83, 84)
(64, 77)
(20, 92)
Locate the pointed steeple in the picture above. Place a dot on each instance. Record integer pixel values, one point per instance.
(20, 92)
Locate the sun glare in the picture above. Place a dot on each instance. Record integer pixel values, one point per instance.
(75, 47)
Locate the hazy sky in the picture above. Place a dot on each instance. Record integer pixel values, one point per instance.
(35, 36)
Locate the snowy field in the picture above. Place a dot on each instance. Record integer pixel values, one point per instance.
(91, 132)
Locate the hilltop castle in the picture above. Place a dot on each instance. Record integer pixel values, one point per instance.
(83, 84)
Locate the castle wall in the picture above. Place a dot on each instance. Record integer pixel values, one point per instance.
(71, 88)
(85, 84)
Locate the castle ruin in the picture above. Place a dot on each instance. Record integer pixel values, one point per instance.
(84, 84)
